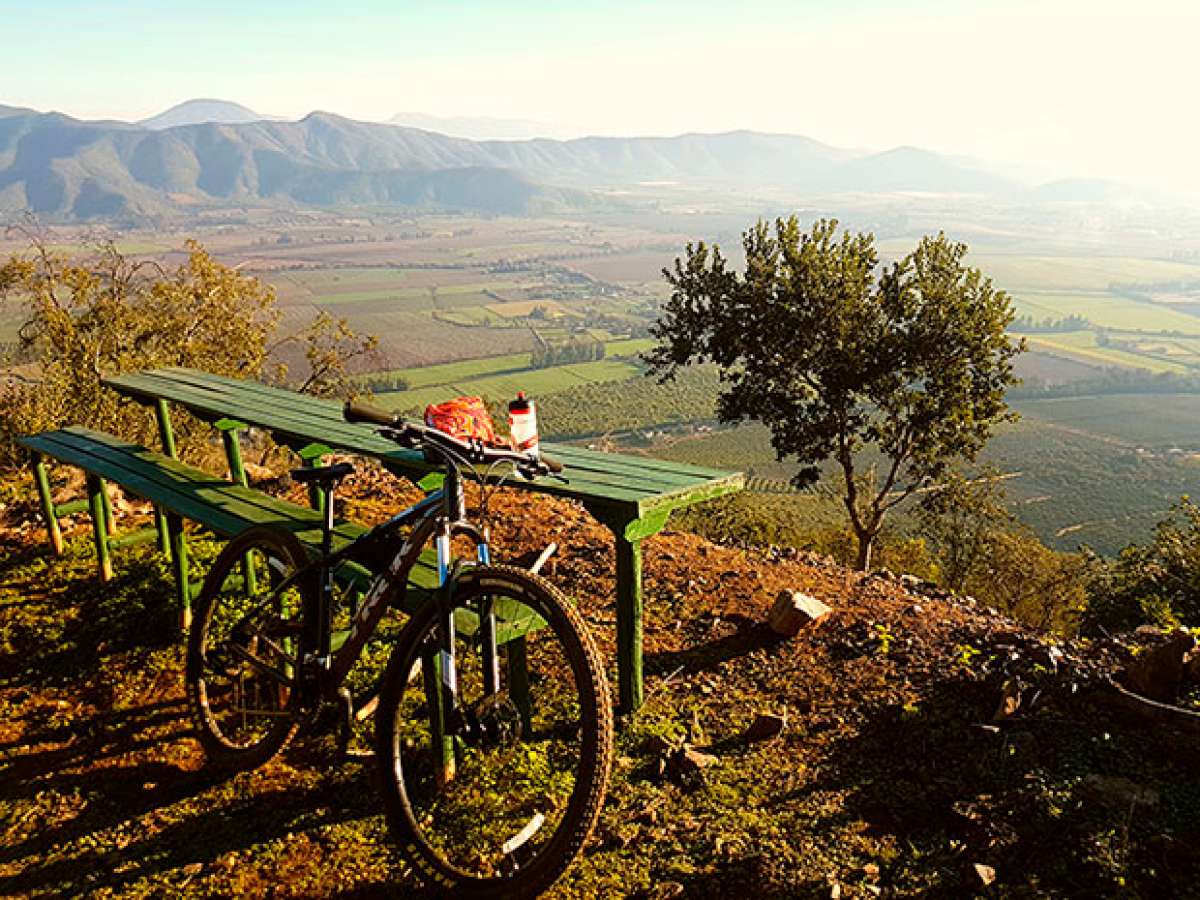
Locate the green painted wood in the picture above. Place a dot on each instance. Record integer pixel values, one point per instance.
(42, 479)
(441, 742)
(133, 538)
(179, 561)
(231, 440)
(214, 503)
(71, 508)
(166, 434)
(331, 409)
(195, 494)
(109, 519)
(629, 624)
(95, 487)
(160, 526)
(623, 480)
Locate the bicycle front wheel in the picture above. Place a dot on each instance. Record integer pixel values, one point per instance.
(495, 740)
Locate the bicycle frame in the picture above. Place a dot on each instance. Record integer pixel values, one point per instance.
(441, 515)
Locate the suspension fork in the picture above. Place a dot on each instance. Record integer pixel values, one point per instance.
(441, 672)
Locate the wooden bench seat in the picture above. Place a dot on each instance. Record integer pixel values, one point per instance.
(179, 491)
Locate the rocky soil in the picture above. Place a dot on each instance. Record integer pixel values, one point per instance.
(909, 743)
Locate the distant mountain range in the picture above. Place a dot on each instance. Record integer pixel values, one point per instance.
(210, 153)
(482, 128)
(204, 111)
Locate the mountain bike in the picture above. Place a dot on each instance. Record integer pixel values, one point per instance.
(493, 724)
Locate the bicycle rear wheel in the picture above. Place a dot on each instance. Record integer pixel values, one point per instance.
(493, 782)
(243, 661)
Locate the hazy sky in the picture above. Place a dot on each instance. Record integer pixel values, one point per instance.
(1087, 87)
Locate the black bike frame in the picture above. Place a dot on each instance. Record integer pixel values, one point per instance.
(441, 515)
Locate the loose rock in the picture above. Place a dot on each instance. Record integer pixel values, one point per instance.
(986, 873)
(764, 727)
(793, 610)
(1157, 671)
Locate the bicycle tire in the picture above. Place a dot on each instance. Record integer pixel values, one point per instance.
(278, 550)
(595, 727)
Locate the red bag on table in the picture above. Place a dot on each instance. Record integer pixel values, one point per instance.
(465, 418)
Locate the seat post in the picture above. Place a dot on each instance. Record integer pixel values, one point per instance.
(327, 531)
(325, 612)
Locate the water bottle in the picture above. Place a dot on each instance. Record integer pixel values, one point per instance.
(522, 424)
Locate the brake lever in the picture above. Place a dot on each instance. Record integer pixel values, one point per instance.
(399, 435)
(529, 473)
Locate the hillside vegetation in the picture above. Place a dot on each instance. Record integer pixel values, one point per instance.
(890, 777)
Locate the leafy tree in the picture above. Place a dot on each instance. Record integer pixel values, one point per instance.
(329, 345)
(1025, 579)
(85, 318)
(1156, 583)
(837, 357)
(959, 518)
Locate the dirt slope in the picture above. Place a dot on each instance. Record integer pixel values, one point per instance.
(891, 777)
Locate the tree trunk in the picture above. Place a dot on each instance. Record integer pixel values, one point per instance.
(866, 543)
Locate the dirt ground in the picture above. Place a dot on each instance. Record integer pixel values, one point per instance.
(892, 776)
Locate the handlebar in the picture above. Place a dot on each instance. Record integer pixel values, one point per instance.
(413, 433)
(364, 412)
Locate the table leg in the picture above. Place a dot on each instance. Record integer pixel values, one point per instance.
(166, 438)
(629, 623)
(47, 497)
(311, 457)
(230, 436)
(95, 489)
(179, 559)
(629, 534)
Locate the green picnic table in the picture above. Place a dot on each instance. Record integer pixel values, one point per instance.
(631, 495)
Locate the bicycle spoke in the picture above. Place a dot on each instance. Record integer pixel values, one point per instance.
(512, 739)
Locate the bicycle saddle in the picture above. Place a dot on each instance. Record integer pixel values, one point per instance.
(322, 475)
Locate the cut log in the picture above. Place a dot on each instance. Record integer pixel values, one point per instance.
(1148, 711)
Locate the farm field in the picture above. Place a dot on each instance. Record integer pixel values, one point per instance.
(1094, 273)
(1080, 478)
(450, 373)
(1105, 310)
(1082, 346)
(1155, 422)
(536, 382)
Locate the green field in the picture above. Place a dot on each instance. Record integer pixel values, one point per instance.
(535, 382)
(1151, 421)
(1105, 310)
(1082, 345)
(1017, 273)
(471, 369)
(1079, 475)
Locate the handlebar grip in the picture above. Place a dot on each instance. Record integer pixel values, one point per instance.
(551, 463)
(364, 412)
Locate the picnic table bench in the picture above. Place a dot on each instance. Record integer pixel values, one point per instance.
(179, 492)
(631, 495)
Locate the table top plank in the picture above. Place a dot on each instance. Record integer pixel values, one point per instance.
(630, 485)
(330, 410)
(217, 393)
